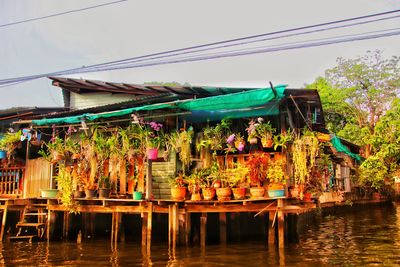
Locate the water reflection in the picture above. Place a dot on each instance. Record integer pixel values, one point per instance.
(360, 238)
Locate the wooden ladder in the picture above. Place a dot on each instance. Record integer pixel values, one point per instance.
(32, 224)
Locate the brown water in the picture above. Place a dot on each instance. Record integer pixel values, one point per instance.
(357, 238)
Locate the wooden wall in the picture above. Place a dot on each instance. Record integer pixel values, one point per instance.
(37, 176)
(162, 172)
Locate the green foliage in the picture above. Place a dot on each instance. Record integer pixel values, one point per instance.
(214, 138)
(276, 173)
(66, 187)
(10, 141)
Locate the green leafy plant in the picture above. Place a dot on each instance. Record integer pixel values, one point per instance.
(66, 187)
(282, 139)
(276, 173)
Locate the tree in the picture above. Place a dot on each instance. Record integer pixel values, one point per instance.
(359, 91)
(382, 166)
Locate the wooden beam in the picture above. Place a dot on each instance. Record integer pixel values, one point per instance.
(188, 226)
(144, 232)
(271, 229)
(102, 209)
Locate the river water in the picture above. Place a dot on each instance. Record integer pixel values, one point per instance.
(361, 237)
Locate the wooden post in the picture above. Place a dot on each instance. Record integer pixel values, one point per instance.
(3, 222)
(170, 224)
(175, 229)
(144, 231)
(66, 225)
(149, 227)
(271, 229)
(203, 229)
(182, 227)
(187, 228)
(222, 228)
(112, 228)
(48, 225)
(281, 224)
(149, 180)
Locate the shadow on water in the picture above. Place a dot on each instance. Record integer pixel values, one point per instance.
(362, 237)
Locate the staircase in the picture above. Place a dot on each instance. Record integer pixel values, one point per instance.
(32, 224)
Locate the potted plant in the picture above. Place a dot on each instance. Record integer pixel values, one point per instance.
(265, 132)
(215, 137)
(252, 131)
(9, 143)
(239, 142)
(104, 187)
(194, 184)
(282, 139)
(258, 166)
(154, 140)
(178, 187)
(207, 184)
(304, 152)
(277, 178)
(238, 180)
(56, 149)
(65, 185)
(180, 142)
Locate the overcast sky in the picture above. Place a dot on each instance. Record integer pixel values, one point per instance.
(136, 28)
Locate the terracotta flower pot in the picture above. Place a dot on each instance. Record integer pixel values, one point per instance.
(196, 196)
(178, 193)
(104, 192)
(224, 193)
(266, 142)
(90, 193)
(239, 193)
(257, 192)
(208, 193)
(152, 153)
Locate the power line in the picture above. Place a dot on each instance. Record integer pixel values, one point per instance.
(60, 14)
(108, 65)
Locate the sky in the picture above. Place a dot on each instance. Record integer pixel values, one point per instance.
(134, 28)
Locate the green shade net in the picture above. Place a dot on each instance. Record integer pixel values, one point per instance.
(342, 148)
(256, 102)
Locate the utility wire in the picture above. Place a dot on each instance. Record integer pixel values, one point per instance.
(105, 66)
(60, 14)
(121, 62)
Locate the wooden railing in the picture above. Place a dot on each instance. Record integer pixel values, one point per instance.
(11, 181)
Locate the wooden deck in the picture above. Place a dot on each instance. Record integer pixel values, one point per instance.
(179, 222)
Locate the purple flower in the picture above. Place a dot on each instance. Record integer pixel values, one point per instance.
(156, 126)
(230, 139)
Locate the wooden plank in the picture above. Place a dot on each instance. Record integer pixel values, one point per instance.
(175, 228)
(188, 225)
(102, 209)
(170, 225)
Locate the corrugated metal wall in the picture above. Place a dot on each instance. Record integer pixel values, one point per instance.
(80, 101)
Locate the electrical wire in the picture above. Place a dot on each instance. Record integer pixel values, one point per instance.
(108, 66)
(61, 13)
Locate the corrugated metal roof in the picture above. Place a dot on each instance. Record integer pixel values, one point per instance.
(81, 86)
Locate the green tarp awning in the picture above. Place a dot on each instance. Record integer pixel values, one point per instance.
(342, 148)
(255, 102)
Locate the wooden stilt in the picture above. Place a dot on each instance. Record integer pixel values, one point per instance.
(48, 225)
(188, 227)
(182, 227)
(112, 227)
(170, 215)
(235, 222)
(66, 225)
(271, 230)
(222, 227)
(144, 232)
(92, 220)
(175, 228)
(203, 229)
(3, 223)
(149, 227)
(281, 224)
(117, 224)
